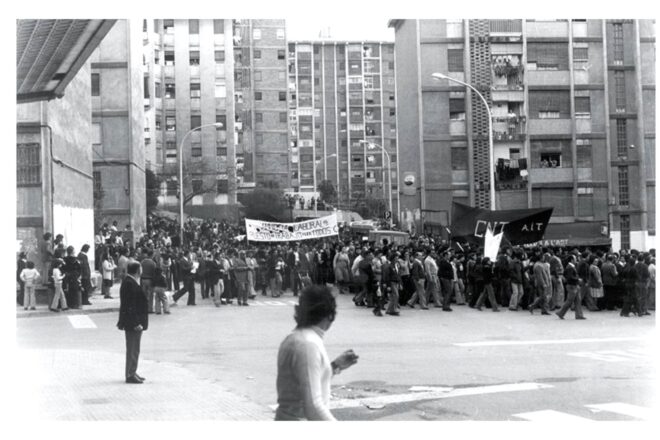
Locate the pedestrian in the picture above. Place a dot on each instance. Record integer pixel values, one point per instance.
(488, 275)
(240, 272)
(251, 274)
(108, 267)
(304, 370)
(85, 275)
(391, 283)
(542, 283)
(133, 320)
(159, 287)
(72, 271)
(629, 277)
(188, 277)
(29, 276)
(418, 276)
(641, 284)
(516, 282)
(20, 265)
(59, 299)
(446, 276)
(596, 283)
(572, 290)
(610, 276)
(556, 275)
(432, 281)
(148, 273)
(341, 265)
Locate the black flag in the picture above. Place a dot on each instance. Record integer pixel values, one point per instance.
(520, 226)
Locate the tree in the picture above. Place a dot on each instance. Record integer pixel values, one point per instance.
(153, 190)
(264, 203)
(327, 191)
(369, 207)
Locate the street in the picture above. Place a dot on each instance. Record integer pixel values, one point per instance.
(208, 363)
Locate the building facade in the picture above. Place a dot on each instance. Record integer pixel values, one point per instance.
(198, 73)
(54, 181)
(573, 120)
(117, 121)
(342, 119)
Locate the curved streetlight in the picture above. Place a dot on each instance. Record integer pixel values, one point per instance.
(371, 146)
(491, 152)
(181, 196)
(318, 161)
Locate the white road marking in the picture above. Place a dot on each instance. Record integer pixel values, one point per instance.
(81, 321)
(545, 342)
(550, 416)
(273, 303)
(440, 393)
(611, 355)
(638, 412)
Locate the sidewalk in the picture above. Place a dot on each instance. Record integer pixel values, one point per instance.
(84, 385)
(99, 304)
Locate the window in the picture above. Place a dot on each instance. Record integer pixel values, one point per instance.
(170, 90)
(194, 58)
(617, 29)
(195, 121)
(220, 89)
(258, 96)
(96, 84)
(221, 151)
(195, 90)
(622, 137)
(222, 119)
(219, 56)
(283, 117)
(549, 104)
(551, 160)
(169, 58)
(218, 26)
(625, 231)
(580, 54)
(168, 26)
(623, 186)
(193, 26)
(454, 60)
(548, 56)
(172, 187)
(281, 54)
(170, 123)
(620, 90)
(196, 150)
(459, 159)
(222, 186)
(28, 164)
(158, 90)
(197, 185)
(256, 34)
(584, 156)
(259, 117)
(157, 122)
(156, 56)
(457, 109)
(282, 96)
(257, 76)
(257, 54)
(582, 107)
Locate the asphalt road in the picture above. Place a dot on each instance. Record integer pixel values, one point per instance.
(422, 365)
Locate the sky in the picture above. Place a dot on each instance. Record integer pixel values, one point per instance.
(348, 28)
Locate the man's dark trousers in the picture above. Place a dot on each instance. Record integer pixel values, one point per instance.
(132, 351)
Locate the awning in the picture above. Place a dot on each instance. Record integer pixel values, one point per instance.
(574, 235)
(49, 54)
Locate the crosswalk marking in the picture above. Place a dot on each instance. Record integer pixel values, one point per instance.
(550, 416)
(638, 412)
(612, 355)
(81, 321)
(274, 303)
(545, 342)
(436, 393)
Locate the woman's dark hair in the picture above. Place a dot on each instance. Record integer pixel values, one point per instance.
(30, 264)
(316, 303)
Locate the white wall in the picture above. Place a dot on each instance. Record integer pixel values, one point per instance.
(77, 227)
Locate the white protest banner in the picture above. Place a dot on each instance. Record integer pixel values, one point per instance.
(492, 244)
(309, 229)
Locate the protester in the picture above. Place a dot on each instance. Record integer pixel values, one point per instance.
(133, 320)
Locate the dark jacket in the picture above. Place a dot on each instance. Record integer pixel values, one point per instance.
(516, 272)
(148, 268)
(417, 270)
(133, 309)
(570, 273)
(445, 270)
(609, 273)
(84, 266)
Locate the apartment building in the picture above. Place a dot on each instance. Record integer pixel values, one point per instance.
(117, 146)
(573, 123)
(216, 89)
(342, 119)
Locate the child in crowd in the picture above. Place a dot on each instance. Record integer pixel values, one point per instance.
(29, 276)
(58, 298)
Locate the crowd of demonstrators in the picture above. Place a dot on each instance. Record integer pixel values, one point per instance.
(216, 262)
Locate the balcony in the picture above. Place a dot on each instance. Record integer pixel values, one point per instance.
(505, 26)
(547, 29)
(551, 175)
(509, 129)
(508, 175)
(549, 126)
(547, 77)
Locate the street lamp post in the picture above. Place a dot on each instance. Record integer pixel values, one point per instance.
(181, 195)
(491, 155)
(371, 146)
(316, 189)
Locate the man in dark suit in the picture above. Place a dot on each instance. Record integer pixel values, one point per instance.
(188, 278)
(85, 275)
(133, 319)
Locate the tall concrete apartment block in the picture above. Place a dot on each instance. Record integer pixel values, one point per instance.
(341, 98)
(573, 105)
(117, 123)
(201, 72)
